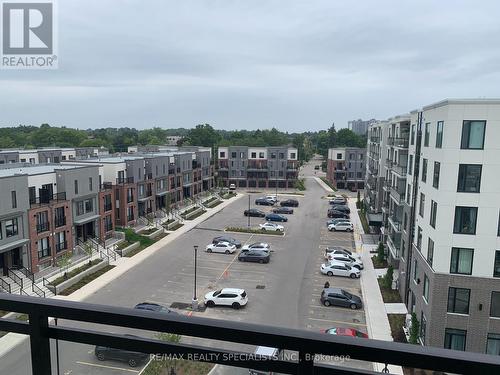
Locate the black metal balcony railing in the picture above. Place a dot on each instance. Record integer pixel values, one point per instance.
(301, 346)
(107, 207)
(38, 201)
(374, 139)
(399, 169)
(61, 246)
(125, 180)
(398, 142)
(59, 221)
(42, 227)
(106, 186)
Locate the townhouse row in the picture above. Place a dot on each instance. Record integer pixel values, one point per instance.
(48, 209)
(433, 188)
(258, 167)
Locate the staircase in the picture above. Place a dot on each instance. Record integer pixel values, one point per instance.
(22, 281)
(105, 252)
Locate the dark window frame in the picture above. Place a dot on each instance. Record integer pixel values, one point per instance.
(433, 216)
(435, 176)
(451, 306)
(457, 230)
(439, 134)
(449, 332)
(427, 134)
(496, 307)
(424, 170)
(465, 138)
(454, 268)
(462, 178)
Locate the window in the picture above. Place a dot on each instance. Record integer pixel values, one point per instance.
(461, 260)
(403, 248)
(233, 155)
(90, 183)
(282, 155)
(405, 220)
(273, 155)
(454, 339)
(493, 344)
(435, 178)
(358, 174)
(76, 186)
(496, 266)
(59, 217)
(412, 134)
(422, 205)
(465, 220)
(430, 251)
(261, 155)
(473, 135)
(13, 198)
(360, 156)
(410, 165)
(419, 239)
(439, 134)
(43, 248)
(426, 135)
(495, 304)
(11, 228)
(498, 230)
(458, 300)
(423, 326)
(79, 208)
(408, 193)
(108, 224)
(253, 155)
(469, 178)
(88, 205)
(434, 207)
(351, 156)
(424, 170)
(293, 155)
(61, 241)
(222, 154)
(415, 270)
(242, 155)
(426, 288)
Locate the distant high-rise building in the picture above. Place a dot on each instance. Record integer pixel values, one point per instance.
(360, 127)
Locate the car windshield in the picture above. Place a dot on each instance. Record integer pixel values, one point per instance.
(347, 294)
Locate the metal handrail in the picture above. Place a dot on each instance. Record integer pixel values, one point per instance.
(14, 277)
(22, 292)
(26, 272)
(5, 286)
(35, 288)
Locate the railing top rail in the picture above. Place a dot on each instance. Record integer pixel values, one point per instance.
(254, 334)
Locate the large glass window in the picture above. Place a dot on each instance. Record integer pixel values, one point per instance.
(426, 288)
(458, 300)
(410, 165)
(11, 228)
(454, 339)
(43, 248)
(493, 344)
(430, 251)
(419, 239)
(424, 170)
(434, 207)
(495, 304)
(469, 178)
(496, 266)
(473, 135)
(413, 134)
(439, 134)
(465, 220)
(426, 134)
(422, 205)
(435, 177)
(415, 270)
(461, 260)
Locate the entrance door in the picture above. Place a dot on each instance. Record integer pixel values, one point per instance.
(3, 266)
(16, 258)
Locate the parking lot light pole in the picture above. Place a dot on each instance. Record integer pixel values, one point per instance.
(195, 299)
(248, 211)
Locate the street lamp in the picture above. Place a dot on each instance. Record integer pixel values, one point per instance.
(195, 300)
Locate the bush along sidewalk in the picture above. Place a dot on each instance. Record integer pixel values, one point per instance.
(325, 180)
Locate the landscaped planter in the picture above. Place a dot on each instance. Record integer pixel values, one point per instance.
(128, 249)
(66, 284)
(193, 214)
(153, 235)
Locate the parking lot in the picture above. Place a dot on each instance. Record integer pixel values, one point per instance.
(284, 292)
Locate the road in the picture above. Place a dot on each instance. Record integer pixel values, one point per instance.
(284, 292)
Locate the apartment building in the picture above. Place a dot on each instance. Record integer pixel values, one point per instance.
(258, 167)
(346, 167)
(50, 155)
(443, 220)
(359, 126)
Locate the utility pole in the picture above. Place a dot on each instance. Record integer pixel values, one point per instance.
(195, 300)
(248, 211)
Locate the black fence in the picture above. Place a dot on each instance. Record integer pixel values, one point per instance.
(305, 344)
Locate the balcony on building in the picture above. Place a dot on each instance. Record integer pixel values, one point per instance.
(42, 227)
(399, 142)
(394, 243)
(47, 199)
(397, 192)
(256, 165)
(375, 139)
(386, 186)
(224, 164)
(106, 186)
(394, 220)
(292, 165)
(125, 180)
(60, 246)
(400, 169)
(59, 221)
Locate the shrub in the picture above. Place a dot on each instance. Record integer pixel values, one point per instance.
(380, 252)
(388, 278)
(415, 329)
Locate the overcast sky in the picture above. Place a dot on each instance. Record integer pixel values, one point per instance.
(295, 65)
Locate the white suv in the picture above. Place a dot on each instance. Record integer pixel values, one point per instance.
(272, 227)
(340, 269)
(227, 297)
(330, 251)
(342, 225)
(346, 259)
(273, 198)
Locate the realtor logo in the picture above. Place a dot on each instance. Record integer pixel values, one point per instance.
(28, 35)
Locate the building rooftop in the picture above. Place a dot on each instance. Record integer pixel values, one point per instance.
(31, 170)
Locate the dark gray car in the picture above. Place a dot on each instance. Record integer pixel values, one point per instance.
(231, 240)
(259, 256)
(340, 297)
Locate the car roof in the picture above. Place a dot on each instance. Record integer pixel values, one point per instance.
(333, 290)
(334, 263)
(223, 242)
(232, 290)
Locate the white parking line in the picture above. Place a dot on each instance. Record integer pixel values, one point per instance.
(108, 367)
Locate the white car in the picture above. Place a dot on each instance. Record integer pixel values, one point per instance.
(340, 269)
(221, 247)
(338, 200)
(227, 297)
(346, 259)
(257, 246)
(272, 227)
(330, 251)
(273, 198)
(346, 226)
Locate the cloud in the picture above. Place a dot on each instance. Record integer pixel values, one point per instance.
(247, 64)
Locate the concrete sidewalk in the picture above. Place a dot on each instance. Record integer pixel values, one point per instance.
(122, 265)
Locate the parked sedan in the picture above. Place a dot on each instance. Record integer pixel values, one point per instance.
(272, 227)
(257, 246)
(264, 202)
(227, 297)
(276, 217)
(330, 251)
(259, 256)
(283, 210)
(349, 332)
(231, 240)
(341, 207)
(339, 269)
(289, 203)
(335, 221)
(340, 297)
(337, 214)
(357, 263)
(254, 213)
(150, 306)
(345, 226)
(338, 200)
(132, 358)
(221, 247)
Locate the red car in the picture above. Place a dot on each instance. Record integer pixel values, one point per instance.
(345, 332)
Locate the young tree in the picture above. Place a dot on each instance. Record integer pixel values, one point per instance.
(63, 262)
(414, 329)
(388, 278)
(380, 252)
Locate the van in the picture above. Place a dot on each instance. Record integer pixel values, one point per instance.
(232, 187)
(269, 354)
